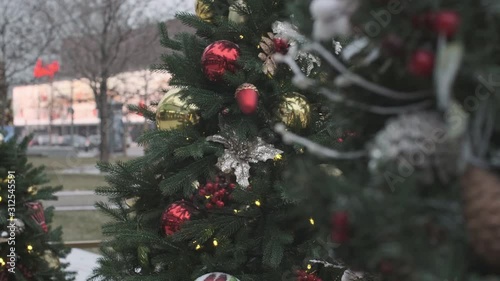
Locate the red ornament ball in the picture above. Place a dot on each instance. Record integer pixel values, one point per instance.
(446, 23)
(219, 57)
(422, 63)
(247, 97)
(174, 216)
(340, 225)
(302, 275)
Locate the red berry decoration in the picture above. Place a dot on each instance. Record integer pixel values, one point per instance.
(446, 23)
(247, 97)
(281, 45)
(219, 57)
(174, 216)
(422, 63)
(340, 225)
(213, 194)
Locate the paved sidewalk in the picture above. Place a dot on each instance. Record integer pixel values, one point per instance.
(75, 200)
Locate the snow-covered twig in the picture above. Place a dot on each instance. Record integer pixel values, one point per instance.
(348, 274)
(382, 110)
(302, 81)
(315, 148)
(360, 81)
(327, 264)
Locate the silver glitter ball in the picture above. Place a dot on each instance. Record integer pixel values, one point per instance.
(417, 143)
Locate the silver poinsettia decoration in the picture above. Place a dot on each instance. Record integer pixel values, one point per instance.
(239, 154)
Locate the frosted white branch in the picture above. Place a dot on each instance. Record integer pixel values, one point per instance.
(360, 81)
(315, 148)
(304, 82)
(348, 275)
(382, 110)
(326, 264)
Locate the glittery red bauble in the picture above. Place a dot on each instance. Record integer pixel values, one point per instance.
(422, 63)
(38, 214)
(174, 216)
(219, 57)
(340, 225)
(446, 23)
(247, 97)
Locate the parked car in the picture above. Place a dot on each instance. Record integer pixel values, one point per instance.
(44, 139)
(79, 142)
(94, 141)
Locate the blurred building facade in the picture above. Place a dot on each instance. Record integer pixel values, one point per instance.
(68, 103)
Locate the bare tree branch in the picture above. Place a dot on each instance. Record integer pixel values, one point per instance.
(101, 39)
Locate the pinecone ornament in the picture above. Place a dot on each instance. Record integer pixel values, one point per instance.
(481, 195)
(271, 45)
(417, 142)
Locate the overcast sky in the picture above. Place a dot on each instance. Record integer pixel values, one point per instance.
(168, 8)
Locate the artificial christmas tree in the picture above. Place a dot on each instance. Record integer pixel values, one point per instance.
(212, 200)
(29, 248)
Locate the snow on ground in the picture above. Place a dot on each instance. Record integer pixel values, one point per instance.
(81, 262)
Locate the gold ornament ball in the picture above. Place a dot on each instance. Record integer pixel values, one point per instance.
(173, 112)
(294, 111)
(204, 10)
(51, 259)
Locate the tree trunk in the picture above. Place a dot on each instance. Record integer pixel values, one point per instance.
(124, 138)
(105, 123)
(3, 94)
